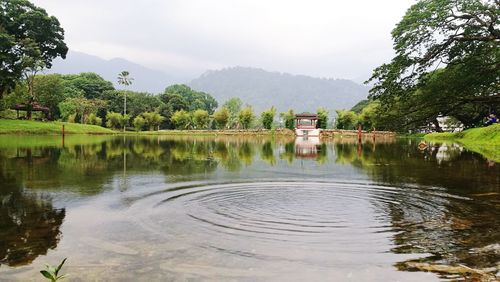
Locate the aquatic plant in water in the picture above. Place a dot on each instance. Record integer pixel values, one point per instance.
(51, 273)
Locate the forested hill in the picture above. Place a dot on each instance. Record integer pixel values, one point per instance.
(263, 89)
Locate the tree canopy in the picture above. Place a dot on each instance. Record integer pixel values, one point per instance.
(459, 37)
(29, 38)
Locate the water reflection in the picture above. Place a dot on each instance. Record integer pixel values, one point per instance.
(29, 224)
(232, 199)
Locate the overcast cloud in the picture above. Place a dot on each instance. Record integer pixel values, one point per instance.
(340, 39)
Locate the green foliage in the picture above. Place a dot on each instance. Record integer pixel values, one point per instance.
(322, 118)
(124, 78)
(182, 119)
(267, 117)
(360, 106)
(221, 117)
(289, 118)
(201, 119)
(29, 38)
(93, 119)
(52, 273)
(80, 107)
(90, 84)
(49, 91)
(138, 123)
(233, 105)
(246, 117)
(368, 116)
(182, 97)
(152, 119)
(346, 119)
(116, 120)
(464, 36)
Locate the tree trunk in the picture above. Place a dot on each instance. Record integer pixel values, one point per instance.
(437, 127)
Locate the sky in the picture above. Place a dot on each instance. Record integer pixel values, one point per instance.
(320, 38)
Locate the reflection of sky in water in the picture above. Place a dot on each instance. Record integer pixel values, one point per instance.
(230, 208)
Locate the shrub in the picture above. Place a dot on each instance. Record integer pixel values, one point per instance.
(139, 123)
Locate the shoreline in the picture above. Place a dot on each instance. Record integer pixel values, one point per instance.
(482, 140)
(25, 127)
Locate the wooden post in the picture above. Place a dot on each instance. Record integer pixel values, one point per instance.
(63, 135)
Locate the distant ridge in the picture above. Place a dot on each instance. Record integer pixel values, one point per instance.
(263, 89)
(145, 79)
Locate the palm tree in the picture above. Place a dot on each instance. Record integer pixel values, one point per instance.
(124, 79)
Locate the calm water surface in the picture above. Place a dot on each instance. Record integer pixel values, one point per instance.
(219, 209)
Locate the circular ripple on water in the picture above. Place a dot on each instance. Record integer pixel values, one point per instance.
(304, 212)
(284, 227)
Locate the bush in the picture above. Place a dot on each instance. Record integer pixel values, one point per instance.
(95, 120)
(152, 119)
(139, 123)
(245, 117)
(181, 119)
(201, 119)
(268, 117)
(116, 120)
(221, 117)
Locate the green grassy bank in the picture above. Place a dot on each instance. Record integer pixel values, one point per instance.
(19, 127)
(483, 140)
(37, 127)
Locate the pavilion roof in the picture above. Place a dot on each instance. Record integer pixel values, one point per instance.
(306, 115)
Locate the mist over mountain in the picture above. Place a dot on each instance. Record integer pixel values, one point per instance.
(145, 79)
(257, 87)
(263, 89)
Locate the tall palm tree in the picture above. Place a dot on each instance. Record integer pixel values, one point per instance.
(124, 79)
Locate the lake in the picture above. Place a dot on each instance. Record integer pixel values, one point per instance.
(245, 209)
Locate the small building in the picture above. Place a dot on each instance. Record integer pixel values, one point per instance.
(35, 107)
(306, 125)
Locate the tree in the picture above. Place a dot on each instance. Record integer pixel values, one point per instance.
(462, 36)
(181, 119)
(193, 100)
(27, 34)
(124, 79)
(138, 123)
(93, 119)
(268, 117)
(221, 117)
(90, 84)
(322, 118)
(201, 119)
(246, 117)
(116, 120)
(80, 108)
(152, 119)
(346, 119)
(49, 91)
(289, 118)
(233, 105)
(368, 116)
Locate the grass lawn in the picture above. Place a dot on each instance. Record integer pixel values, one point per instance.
(483, 140)
(37, 127)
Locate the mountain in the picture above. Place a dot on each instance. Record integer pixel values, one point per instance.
(263, 89)
(145, 79)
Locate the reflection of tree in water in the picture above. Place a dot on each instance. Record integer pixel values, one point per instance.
(452, 211)
(267, 153)
(245, 153)
(29, 224)
(289, 152)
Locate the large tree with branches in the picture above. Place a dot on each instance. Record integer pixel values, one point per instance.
(29, 40)
(459, 37)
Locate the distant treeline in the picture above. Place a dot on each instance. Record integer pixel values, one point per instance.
(89, 99)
